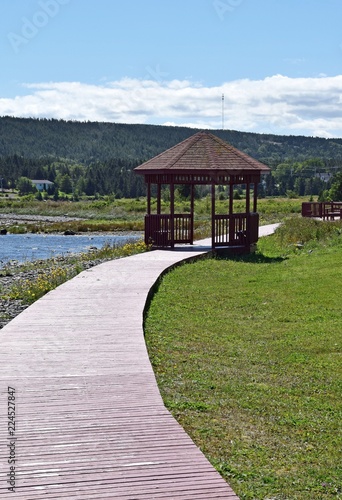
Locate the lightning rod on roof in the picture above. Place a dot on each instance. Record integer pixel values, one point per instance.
(222, 111)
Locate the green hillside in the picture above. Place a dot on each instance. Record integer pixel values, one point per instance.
(90, 141)
(92, 157)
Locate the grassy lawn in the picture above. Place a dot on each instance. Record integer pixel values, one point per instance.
(247, 354)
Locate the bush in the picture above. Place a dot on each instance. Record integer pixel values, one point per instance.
(303, 230)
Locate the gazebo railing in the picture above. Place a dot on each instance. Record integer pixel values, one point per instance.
(158, 229)
(230, 230)
(236, 229)
(183, 228)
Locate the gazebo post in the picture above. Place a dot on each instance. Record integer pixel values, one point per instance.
(231, 222)
(255, 197)
(248, 213)
(159, 199)
(248, 197)
(192, 211)
(172, 214)
(148, 215)
(148, 198)
(231, 198)
(213, 215)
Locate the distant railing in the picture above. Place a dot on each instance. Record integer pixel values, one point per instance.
(332, 209)
(312, 209)
(325, 209)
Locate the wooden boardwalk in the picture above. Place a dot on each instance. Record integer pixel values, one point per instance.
(90, 421)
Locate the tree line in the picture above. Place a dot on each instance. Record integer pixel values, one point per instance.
(91, 158)
(113, 176)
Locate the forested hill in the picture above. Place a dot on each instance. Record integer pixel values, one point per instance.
(95, 159)
(88, 142)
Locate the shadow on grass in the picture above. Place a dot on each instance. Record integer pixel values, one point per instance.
(253, 258)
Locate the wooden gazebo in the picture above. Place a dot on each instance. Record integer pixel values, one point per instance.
(203, 159)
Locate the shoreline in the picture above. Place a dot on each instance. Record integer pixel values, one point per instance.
(11, 219)
(16, 273)
(26, 248)
(43, 224)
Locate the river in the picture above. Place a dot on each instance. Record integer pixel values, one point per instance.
(29, 247)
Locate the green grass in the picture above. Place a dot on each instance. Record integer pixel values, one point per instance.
(79, 226)
(247, 354)
(125, 214)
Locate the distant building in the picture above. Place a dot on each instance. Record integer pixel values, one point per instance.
(42, 185)
(325, 177)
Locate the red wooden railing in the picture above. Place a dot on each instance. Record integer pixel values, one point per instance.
(183, 228)
(236, 229)
(312, 209)
(158, 229)
(324, 209)
(230, 230)
(332, 209)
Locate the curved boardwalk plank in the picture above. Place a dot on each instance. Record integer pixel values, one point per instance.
(90, 421)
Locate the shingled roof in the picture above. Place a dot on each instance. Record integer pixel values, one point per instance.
(202, 153)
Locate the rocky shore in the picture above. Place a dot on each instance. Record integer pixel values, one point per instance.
(10, 219)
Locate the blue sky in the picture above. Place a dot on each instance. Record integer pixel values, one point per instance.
(277, 62)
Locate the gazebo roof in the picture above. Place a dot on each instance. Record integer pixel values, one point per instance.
(202, 153)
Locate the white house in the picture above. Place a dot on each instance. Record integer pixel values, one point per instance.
(42, 185)
(326, 176)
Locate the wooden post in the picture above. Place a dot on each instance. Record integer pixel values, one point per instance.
(192, 211)
(213, 215)
(248, 213)
(248, 197)
(231, 199)
(159, 200)
(231, 222)
(255, 205)
(148, 198)
(172, 214)
(148, 234)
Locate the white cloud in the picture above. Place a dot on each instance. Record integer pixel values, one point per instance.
(277, 104)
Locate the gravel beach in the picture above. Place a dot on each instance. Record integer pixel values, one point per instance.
(14, 273)
(7, 220)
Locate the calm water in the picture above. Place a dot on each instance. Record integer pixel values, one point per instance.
(24, 247)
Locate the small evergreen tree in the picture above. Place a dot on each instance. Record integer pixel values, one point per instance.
(336, 187)
(25, 186)
(66, 184)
